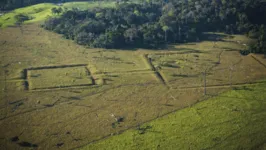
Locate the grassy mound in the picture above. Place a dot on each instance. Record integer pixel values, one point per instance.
(35, 12)
(233, 120)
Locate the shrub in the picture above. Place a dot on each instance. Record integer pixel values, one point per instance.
(244, 52)
(22, 17)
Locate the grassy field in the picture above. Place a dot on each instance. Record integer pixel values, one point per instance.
(63, 77)
(37, 12)
(40, 12)
(51, 102)
(57, 94)
(233, 120)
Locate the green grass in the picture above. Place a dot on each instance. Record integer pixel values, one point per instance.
(37, 12)
(40, 12)
(233, 120)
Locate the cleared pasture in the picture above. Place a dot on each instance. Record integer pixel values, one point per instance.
(137, 85)
(232, 120)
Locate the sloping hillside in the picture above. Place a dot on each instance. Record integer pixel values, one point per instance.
(233, 120)
(35, 13)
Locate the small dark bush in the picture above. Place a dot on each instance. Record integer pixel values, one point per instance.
(22, 17)
(244, 52)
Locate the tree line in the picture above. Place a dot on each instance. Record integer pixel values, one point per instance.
(151, 24)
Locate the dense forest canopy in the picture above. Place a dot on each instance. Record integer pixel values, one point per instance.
(152, 23)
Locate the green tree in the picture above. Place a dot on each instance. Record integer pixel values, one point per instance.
(165, 29)
(56, 11)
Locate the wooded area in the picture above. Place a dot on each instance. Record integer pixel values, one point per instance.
(152, 24)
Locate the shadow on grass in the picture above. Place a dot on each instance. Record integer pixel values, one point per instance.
(215, 37)
(143, 130)
(184, 75)
(189, 50)
(135, 48)
(229, 49)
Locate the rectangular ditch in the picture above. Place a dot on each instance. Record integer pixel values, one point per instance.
(37, 78)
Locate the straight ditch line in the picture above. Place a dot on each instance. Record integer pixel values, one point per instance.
(157, 73)
(90, 74)
(130, 71)
(220, 86)
(54, 67)
(61, 87)
(254, 57)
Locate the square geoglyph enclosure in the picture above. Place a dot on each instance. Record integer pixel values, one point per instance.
(51, 77)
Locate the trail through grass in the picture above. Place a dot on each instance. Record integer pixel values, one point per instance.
(233, 120)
